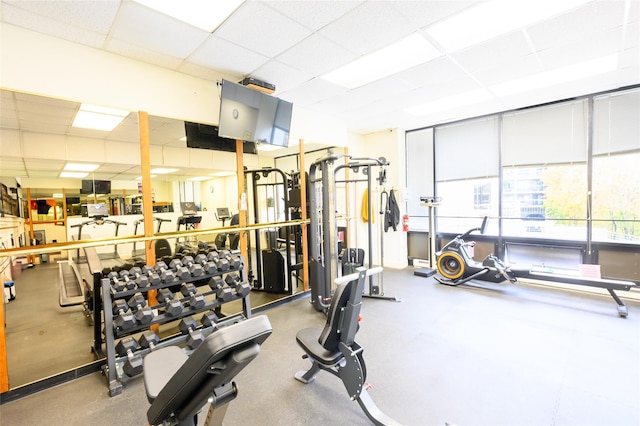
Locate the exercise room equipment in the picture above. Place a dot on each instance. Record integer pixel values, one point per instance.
(269, 196)
(162, 247)
(334, 349)
(98, 215)
(190, 221)
(178, 385)
(325, 262)
(456, 266)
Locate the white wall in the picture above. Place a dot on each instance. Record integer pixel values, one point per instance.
(388, 144)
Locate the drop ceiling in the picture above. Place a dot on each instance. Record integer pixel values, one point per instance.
(292, 44)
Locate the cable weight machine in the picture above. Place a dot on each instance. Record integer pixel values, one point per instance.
(323, 236)
(267, 276)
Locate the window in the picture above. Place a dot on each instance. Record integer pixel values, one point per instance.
(467, 168)
(616, 175)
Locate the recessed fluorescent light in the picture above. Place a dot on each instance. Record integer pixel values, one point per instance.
(565, 74)
(199, 178)
(222, 174)
(56, 195)
(183, 139)
(77, 175)
(450, 102)
(268, 147)
(140, 177)
(162, 171)
(73, 167)
(494, 18)
(404, 54)
(98, 118)
(204, 14)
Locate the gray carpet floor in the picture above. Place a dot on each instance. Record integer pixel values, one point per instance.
(501, 355)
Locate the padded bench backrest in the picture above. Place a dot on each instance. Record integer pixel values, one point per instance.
(330, 335)
(217, 360)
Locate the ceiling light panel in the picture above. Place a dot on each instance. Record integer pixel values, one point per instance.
(163, 171)
(98, 118)
(494, 18)
(404, 54)
(204, 14)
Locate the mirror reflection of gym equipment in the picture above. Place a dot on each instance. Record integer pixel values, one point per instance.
(272, 269)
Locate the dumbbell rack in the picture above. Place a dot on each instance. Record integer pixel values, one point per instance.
(112, 370)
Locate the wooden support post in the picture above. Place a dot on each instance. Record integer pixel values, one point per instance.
(242, 202)
(303, 207)
(30, 258)
(147, 200)
(4, 371)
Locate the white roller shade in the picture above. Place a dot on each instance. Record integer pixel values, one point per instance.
(467, 150)
(616, 123)
(547, 135)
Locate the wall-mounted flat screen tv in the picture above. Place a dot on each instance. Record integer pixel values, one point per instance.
(253, 116)
(95, 186)
(206, 137)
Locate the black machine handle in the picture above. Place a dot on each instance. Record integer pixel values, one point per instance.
(482, 228)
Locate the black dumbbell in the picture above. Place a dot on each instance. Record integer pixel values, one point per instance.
(124, 318)
(221, 263)
(148, 340)
(129, 283)
(223, 293)
(171, 307)
(210, 319)
(208, 267)
(138, 305)
(152, 276)
(196, 300)
(138, 277)
(166, 275)
(133, 365)
(116, 283)
(233, 280)
(235, 261)
(189, 327)
(181, 271)
(195, 269)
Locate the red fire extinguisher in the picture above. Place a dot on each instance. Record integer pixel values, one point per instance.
(405, 223)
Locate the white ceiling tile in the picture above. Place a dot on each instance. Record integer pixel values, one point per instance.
(313, 91)
(92, 15)
(175, 157)
(424, 13)
(316, 55)
(10, 143)
(494, 53)
(122, 152)
(216, 52)
(582, 23)
(159, 33)
(204, 72)
(283, 76)
(244, 28)
(368, 27)
(143, 54)
(592, 46)
(313, 14)
(44, 164)
(54, 17)
(81, 149)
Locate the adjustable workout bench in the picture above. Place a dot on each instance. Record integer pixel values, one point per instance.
(178, 386)
(333, 348)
